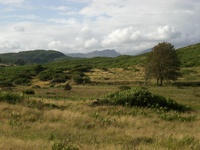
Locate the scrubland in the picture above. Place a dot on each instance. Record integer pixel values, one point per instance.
(54, 118)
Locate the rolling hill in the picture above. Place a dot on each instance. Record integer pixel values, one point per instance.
(31, 57)
(189, 55)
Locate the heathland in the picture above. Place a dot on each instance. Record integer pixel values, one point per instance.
(99, 103)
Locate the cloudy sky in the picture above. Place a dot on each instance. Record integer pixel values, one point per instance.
(71, 26)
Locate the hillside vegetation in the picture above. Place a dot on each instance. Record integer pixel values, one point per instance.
(99, 104)
(32, 57)
(190, 55)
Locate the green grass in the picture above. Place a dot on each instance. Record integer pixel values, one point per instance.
(190, 55)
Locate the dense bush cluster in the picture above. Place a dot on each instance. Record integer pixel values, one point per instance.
(56, 76)
(143, 98)
(11, 98)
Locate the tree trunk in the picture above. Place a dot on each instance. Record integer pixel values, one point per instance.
(157, 82)
(161, 81)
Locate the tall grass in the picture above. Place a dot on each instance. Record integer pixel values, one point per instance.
(83, 126)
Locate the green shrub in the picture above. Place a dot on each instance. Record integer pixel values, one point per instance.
(142, 98)
(67, 87)
(80, 80)
(59, 78)
(10, 98)
(6, 84)
(22, 81)
(46, 75)
(29, 91)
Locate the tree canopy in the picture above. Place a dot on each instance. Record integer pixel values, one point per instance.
(162, 63)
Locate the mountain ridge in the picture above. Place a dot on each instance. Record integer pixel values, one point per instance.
(102, 53)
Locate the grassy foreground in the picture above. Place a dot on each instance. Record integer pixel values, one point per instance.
(70, 120)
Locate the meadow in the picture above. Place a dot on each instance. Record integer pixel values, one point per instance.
(38, 112)
(54, 118)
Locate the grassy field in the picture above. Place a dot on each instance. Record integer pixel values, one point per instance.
(53, 118)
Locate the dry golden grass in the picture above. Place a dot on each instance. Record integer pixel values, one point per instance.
(117, 75)
(88, 127)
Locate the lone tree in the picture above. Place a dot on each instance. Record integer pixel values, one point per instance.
(162, 63)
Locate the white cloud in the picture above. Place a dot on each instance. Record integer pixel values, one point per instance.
(69, 21)
(56, 45)
(29, 17)
(125, 35)
(127, 26)
(168, 32)
(11, 1)
(91, 43)
(8, 45)
(59, 8)
(164, 33)
(19, 28)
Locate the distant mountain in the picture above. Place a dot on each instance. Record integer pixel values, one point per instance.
(103, 53)
(145, 51)
(31, 57)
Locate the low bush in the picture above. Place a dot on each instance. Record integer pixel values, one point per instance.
(142, 98)
(11, 98)
(124, 87)
(22, 81)
(46, 75)
(81, 80)
(29, 91)
(67, 87)
(6, 84)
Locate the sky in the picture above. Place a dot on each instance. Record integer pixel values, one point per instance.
(81, 26)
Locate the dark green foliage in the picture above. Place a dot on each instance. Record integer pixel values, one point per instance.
(80, 80)
(80, 68)
(59, 78)
(162, 63)
(46, 75)
(20, 62)
(38, 69)
(189, 55)
(67, 87)
(124, 87)
(10, 98)
(143, 98)
(56, 76)
(193, 84)
(31, 57)
(29, 92)
(22, 81)
(5, 83)
(22, 78)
